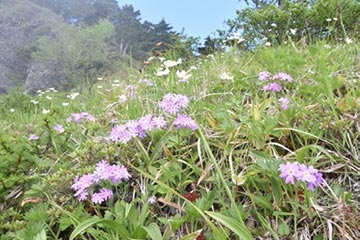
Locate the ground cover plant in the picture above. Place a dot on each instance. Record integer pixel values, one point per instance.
(235, 145)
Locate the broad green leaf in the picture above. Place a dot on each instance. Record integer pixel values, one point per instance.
(115, 226)
(232, 224)
(153, 231)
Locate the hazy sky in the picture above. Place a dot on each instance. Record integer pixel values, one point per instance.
(199, 18)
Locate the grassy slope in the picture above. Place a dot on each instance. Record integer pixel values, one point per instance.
(231, 160)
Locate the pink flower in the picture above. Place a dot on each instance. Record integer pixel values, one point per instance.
(264, 75)
(274, 87)
(33, 137)
(59, 128)
(284, 103)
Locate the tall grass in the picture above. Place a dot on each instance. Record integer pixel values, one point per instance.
(219, 181)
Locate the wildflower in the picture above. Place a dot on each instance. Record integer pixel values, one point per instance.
(292, 31)
(12, 110)
(122, 98)
(235, 36)
(45, 111)
(81, 185)
(183, 75)
(282, 77)
(264, 75)
(151, 200)
(146, 82)
(159, 122)
(101, 196)
(273, 25)
(184, 121)
(34, 102)
(77, 117)
(72, 96)
(172, 103)
(268, 44)
(284, 103)
(328, 19)
(65, 104)
(348, 40)
(162, 72)
(120, 133)
(103, 171)
(59, 128)
(99, 78)
(289, 171)
(118, 173)
(274, 87)
(226, 76)
(170, 63)
(33, 137)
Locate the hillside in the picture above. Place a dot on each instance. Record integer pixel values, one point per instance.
(21, 24)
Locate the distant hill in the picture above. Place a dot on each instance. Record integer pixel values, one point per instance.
(21, 24)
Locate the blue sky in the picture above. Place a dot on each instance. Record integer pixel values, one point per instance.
(199, 18)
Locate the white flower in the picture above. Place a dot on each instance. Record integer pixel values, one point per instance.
(12, 110)
(235, 36)
(335, 18)
(183, 75)
(116, 81)
(267, 44)
(226, 76)
(122, 98)
(162, 72)
(328, 19)
(48, 98)
(273, 25)
(100, 78)
(348, 40)
(73, 95)
(293, 31)
(45, 111)
(34, 102)
(52, 90)
(65, 104)
(99, 87)
(170, 63)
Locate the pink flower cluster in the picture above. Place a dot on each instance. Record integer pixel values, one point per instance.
(172, 104)
(136, 128)
(78, 117)
(275, 86)
(103, 172)
(291, 171)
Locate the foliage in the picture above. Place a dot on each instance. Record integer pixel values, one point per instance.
(307, 21)
(215, 175)
(79, 54)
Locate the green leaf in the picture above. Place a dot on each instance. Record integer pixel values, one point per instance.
(153, 231)
(266, 225)
(41, 235)
(115, 226)
(232, 224)
(283, 229)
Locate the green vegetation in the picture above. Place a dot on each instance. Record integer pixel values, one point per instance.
(249, 140)
(218, 179)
